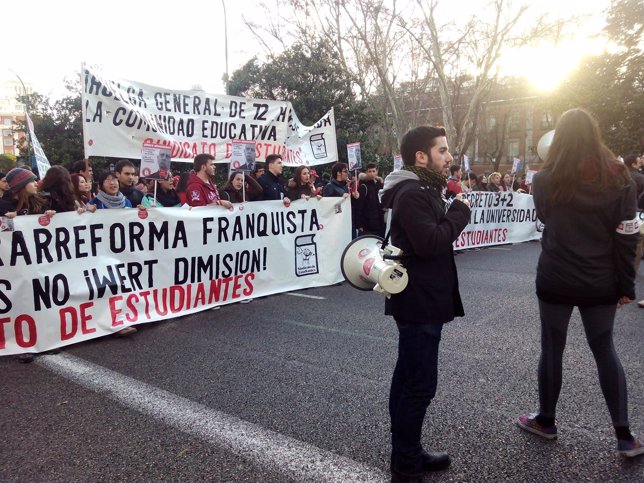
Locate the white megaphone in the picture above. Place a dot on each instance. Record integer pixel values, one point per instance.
(367, 266)
(543, 146)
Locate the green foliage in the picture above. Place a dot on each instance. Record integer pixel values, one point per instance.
(7, 162)
(313, 80)
(58, 125)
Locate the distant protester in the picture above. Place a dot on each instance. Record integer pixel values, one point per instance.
(109, 196)
(57, 187)
(164, 196)
(300, 185)
(82, 193)
(235, 191)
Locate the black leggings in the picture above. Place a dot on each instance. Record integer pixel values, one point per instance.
(598, 324)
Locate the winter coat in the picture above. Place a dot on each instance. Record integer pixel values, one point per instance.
(586, 258)
(272, 186)
(425, 232)
(199, 193)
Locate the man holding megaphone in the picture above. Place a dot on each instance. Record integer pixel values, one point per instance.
(424, 225)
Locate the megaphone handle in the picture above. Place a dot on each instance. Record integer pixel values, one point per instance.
(385, 242)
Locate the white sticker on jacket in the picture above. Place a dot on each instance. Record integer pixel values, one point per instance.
(628, 227)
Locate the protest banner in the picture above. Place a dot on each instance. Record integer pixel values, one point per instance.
(41, 158)
(243, 157)
(516, 165)
(76, 277)
(354, 156)
(120, 115)
(499, 218)
(466, 163)
(398, 162)
(155, 161)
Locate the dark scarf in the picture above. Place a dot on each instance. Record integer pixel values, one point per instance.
(428, 176)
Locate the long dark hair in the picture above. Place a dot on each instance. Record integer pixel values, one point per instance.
(58, 183)
(297, 176)
(33, 204)
(81, 196)
(578, 157)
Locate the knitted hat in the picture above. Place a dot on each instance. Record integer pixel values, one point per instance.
(314, 173)
(18, 178)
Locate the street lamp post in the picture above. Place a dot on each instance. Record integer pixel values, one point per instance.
(226, 42)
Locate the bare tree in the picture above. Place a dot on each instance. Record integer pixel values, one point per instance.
(399, 54)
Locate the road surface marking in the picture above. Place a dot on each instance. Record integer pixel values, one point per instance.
(276, 452)
(305, 296)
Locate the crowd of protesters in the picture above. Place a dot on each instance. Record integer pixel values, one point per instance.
(76, 189)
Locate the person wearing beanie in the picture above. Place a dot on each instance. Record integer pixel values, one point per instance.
(25, 199)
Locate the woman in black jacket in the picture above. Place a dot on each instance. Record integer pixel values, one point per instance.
(586, 199)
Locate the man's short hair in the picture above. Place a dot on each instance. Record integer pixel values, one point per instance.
(122, 163)
(338, 168)
(454, 168)
(271, 158)
(371, 166)
(421, 138)
(201, 160)
(79, 166)
(630, 159)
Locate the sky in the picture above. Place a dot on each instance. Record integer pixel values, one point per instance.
(182, 45)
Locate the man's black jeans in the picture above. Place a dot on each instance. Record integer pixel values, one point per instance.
(413, 387)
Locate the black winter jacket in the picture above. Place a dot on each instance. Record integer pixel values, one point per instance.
(584, 259)
(425, 232)
(272, 186)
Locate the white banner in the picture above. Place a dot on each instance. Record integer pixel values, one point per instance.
(41, 158)
(120, 115)
(499, 218)
(76, 277)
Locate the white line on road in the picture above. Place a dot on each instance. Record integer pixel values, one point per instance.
(274, 451)
(306, 296)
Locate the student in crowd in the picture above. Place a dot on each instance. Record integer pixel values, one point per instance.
(126, 175)
(166, 195)
(259, 170)
(483, 182)
(271, 181)
(82, 193)
(181, 187)
(586, 200)
(632, 162)
(454, 180)
(494, 182)
(201, 190)
(301, 185)
(315, 181)
(25, 199)
(83, 168)
(509, 183)
(109, 196)
(57, 187)
(234, 191)
(5, 195)
(338, 186)
(470, 183)
(370, 216)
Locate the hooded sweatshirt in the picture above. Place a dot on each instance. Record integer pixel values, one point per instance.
(200, 193)
(423, 229)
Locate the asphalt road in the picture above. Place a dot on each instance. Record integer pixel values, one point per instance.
(292, 388)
